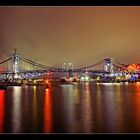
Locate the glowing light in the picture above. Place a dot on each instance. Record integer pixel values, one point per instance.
(137, 105)
(86, 78)
(107, 84)
(47, 112)
(16, 76)
(47, 81)
(118, 78)
(111, 74)
(134, 67)
(71, 79)
(128, 76)
(82, 78)
(47, 90)
(2, 110)
(118, 84)
(34, 116)
(16, 111)
(98, 78)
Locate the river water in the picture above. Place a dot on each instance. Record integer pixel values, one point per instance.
(71, 108)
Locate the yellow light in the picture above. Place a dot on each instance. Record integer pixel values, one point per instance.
(86, 78)
(98, 78)
(47, 90)
(15, 76)
(118, 78)
(82, 78)
(118, 84)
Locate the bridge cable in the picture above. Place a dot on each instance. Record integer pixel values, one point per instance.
(37, 64)
(5, 60)
(98, 63)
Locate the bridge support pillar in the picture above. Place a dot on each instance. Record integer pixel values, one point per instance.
(16, 64)
(108, 65)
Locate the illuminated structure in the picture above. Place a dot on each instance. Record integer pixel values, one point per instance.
(64, 67)
(70, 70)
(22, 68)
(15, 59)
(108, 65)
(133, 67)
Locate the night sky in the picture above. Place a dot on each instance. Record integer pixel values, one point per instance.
(81, 35)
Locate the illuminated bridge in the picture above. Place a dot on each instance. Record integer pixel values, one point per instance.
(20, 68)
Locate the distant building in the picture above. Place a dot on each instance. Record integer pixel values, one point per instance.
(133, 67)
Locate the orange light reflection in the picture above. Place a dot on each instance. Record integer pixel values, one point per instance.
(47, 112)
(137, 106)
(2, 110)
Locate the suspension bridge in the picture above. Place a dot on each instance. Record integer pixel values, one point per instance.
(18, 68)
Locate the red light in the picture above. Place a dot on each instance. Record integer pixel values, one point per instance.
(2, 110)
(48, 126)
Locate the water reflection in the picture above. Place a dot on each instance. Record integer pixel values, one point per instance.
(48, 111)
(69, 108)
(35, 113)
(110, 108)
(119, 111)
(25, 107)
(16, 110)
(98, 111)
(86, 110)
(115, 110)
(76, 94)
(2, 110)
(75, 108)
(137, 107)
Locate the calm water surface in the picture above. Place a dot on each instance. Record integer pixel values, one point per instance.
(73, 108)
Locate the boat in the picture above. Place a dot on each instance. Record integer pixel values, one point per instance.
(75, 80)
(63, 79)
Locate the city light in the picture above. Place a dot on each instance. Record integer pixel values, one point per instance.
(86, 78)
(16, 76)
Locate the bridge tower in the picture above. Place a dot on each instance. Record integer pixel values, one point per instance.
(108, 65)
(15, 59)
(70, 70)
